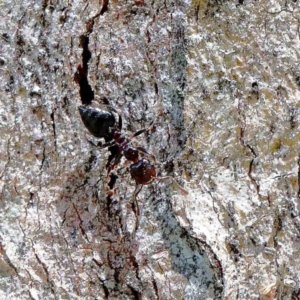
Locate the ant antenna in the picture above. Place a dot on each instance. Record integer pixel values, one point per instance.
(178, 186)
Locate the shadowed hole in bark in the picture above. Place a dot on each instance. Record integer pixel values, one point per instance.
(104, 7)
(81, 75)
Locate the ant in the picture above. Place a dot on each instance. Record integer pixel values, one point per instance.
(103, 124)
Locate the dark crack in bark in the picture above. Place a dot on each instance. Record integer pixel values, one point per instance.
(155, 288)
(52, 116)
(104, 7)
(109, 199)
(277, 227)
(250, 172)
(80, 223)
(105, 289)
(44, 267)
(136, 294)
(296, 294)
(216, 265)
(81, 75)
(251, 150)
(298, 177)
(8, 158)
(7, 260)
(43, 158)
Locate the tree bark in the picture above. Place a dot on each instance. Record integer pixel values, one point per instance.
(220, 80)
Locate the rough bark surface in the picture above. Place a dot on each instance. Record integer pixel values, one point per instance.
(220, 80)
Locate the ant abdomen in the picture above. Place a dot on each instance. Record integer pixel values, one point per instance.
(98, 123)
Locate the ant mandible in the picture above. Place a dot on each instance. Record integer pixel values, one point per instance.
(103, 124)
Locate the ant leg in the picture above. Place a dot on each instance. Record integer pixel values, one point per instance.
(139, 133)
(125, 143)
(142, 131)
(178, 186)
(113, 160)
(135, 206)
(143, 150)
(107, 144)
(120, 123)
(137, 190)
(99, 144)
(125, 165)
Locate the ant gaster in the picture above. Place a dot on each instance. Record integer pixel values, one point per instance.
(102, 124)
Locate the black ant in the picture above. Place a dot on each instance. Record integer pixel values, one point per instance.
(103, 124)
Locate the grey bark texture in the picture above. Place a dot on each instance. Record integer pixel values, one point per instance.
(221, 82)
